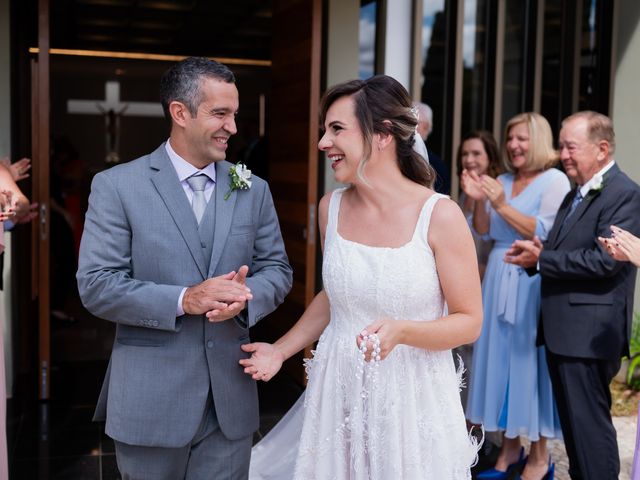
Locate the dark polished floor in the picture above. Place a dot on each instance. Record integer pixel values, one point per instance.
(56, 440)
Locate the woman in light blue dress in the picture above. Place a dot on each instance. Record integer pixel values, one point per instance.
(478, 152)
(510, 390)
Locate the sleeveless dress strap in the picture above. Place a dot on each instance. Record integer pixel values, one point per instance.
(332, 217)
(424, 220)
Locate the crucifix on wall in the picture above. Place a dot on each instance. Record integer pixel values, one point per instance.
(111, 108)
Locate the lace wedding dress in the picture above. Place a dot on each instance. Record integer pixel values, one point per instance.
(400, 418)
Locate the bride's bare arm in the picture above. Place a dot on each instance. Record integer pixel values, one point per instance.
(453, 247)
(266, 359)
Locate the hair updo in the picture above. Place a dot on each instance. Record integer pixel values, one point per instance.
(382, 105)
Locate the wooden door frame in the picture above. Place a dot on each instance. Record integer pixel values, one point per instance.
(312, 179)
(40, 109)
(312, 158)
(40, 130)
(293, 161)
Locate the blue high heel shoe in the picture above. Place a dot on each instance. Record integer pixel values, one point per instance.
(551, 472)
(547, 476)
(493, 474)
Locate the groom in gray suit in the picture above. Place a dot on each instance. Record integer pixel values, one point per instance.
(184, 257)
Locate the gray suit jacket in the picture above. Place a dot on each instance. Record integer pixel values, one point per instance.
(140, 248)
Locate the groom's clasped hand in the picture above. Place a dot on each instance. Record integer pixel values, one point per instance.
(220, 298)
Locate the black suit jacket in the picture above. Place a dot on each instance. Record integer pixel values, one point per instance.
(587, 297)
(443, 178)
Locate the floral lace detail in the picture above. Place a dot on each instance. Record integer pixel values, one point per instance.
(403, 418)
(308, 364)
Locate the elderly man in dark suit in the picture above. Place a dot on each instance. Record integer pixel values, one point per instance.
(587, 297)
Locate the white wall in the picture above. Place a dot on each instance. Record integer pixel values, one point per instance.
(5, 150)
(5, 317)
(343, 55)
(626, 96)
(344, 50)
(397, 44)
(626, 99)
(5, 75)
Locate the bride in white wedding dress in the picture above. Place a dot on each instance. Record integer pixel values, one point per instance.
(382, 401)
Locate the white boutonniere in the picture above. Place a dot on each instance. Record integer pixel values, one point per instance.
(597, 183)
(240, 176)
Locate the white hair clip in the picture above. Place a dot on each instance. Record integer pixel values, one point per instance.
(415, 112)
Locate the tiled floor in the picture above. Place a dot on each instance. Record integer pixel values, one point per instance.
(626, 432)
(626, 429)
(57, 440)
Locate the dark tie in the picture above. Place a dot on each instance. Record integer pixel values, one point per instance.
(199, 202)
(574, 204)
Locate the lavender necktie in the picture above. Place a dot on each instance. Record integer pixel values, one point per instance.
(197, 183)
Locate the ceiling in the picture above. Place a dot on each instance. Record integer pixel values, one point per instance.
(216, 28)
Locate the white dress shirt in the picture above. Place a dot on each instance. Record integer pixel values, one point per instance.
(185, 170)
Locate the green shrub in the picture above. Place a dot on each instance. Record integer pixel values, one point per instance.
(633, 372)
(634, 345)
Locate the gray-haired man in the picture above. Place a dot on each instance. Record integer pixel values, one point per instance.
(184, 270)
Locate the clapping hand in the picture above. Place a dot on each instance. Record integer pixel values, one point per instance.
(472, 185)
(233, 308)
(480, 187)
(622, 246)
(221, 297)
(30, 215)
(19, 170)
(265, 361)
(524, 253)
(7, 205)
(389, 334)
(493, 190)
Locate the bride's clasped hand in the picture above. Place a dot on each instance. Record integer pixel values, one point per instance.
(388, 334)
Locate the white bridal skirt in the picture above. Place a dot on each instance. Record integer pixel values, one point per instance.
(274, 457)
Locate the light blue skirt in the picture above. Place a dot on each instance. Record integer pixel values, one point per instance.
(510, 389)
